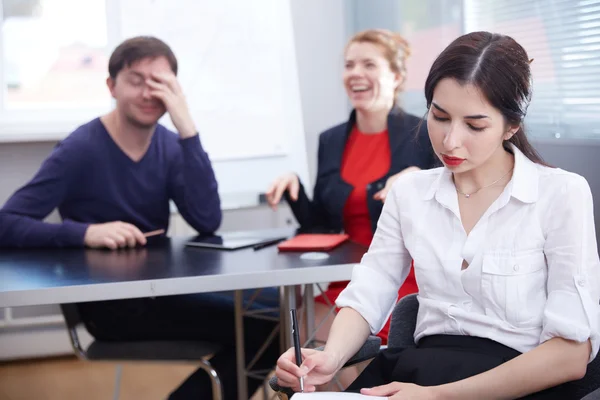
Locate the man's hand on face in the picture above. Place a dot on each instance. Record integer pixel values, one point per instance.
(166, 88)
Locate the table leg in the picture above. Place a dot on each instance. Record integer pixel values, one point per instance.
(239, 345)
(282, 321)
(288, 302)
(309, 307)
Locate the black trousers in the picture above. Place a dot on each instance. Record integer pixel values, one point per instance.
(443, 359)
(207, 317)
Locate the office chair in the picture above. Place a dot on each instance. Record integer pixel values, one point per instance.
(402, 328)
(196, 352)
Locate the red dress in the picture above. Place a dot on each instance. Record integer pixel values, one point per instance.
(367, 157)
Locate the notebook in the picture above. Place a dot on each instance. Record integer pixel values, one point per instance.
(334, 396)
(313, 242)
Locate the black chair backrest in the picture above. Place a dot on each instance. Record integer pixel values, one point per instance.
(404, 320)
(589, 383)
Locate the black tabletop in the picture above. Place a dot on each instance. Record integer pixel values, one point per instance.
(163, 258)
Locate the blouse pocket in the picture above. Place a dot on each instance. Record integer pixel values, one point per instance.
(514, 287)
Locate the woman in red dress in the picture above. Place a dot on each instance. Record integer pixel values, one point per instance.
(359, 160)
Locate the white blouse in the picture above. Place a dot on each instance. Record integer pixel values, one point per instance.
(533, 272)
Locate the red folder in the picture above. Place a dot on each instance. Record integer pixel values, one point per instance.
(313, 242)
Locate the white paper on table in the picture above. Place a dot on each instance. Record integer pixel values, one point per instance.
(334, 396)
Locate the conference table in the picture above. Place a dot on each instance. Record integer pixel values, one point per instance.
(166, 266)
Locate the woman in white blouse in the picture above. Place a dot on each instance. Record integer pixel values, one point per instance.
(504, 249)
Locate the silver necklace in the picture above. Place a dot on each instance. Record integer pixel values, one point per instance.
(467, 195)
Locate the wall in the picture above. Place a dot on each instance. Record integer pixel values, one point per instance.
(320, 34)
(383, 14)
(18, 163)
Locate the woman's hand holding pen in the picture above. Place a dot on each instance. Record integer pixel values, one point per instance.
(318, 368)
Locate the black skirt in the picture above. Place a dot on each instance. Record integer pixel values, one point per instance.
(442, 359)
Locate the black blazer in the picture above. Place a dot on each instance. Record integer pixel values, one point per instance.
(409, 146)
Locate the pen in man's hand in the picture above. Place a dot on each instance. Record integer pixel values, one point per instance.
(296, 337)
(154, 233)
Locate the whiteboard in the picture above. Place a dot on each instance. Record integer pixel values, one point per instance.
(237, 68)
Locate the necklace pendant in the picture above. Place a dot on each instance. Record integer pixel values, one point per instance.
(467, 195)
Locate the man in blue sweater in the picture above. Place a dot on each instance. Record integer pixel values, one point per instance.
(111, 180)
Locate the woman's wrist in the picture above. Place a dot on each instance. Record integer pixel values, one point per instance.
(337, 356)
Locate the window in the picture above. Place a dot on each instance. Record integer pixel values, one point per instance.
(563, 38)
(54, 57)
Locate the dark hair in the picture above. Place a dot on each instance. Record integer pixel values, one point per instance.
(499, 67)
(137, 48)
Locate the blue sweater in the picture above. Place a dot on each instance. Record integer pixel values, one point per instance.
(91, 180)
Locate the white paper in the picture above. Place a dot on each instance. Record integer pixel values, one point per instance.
(334, 396)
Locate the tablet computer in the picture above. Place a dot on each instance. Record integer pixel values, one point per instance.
(233, 241)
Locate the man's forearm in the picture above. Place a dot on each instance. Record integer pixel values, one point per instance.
(197, 195)
(22, 232)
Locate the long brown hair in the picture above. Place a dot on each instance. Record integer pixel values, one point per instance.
(499, 67)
